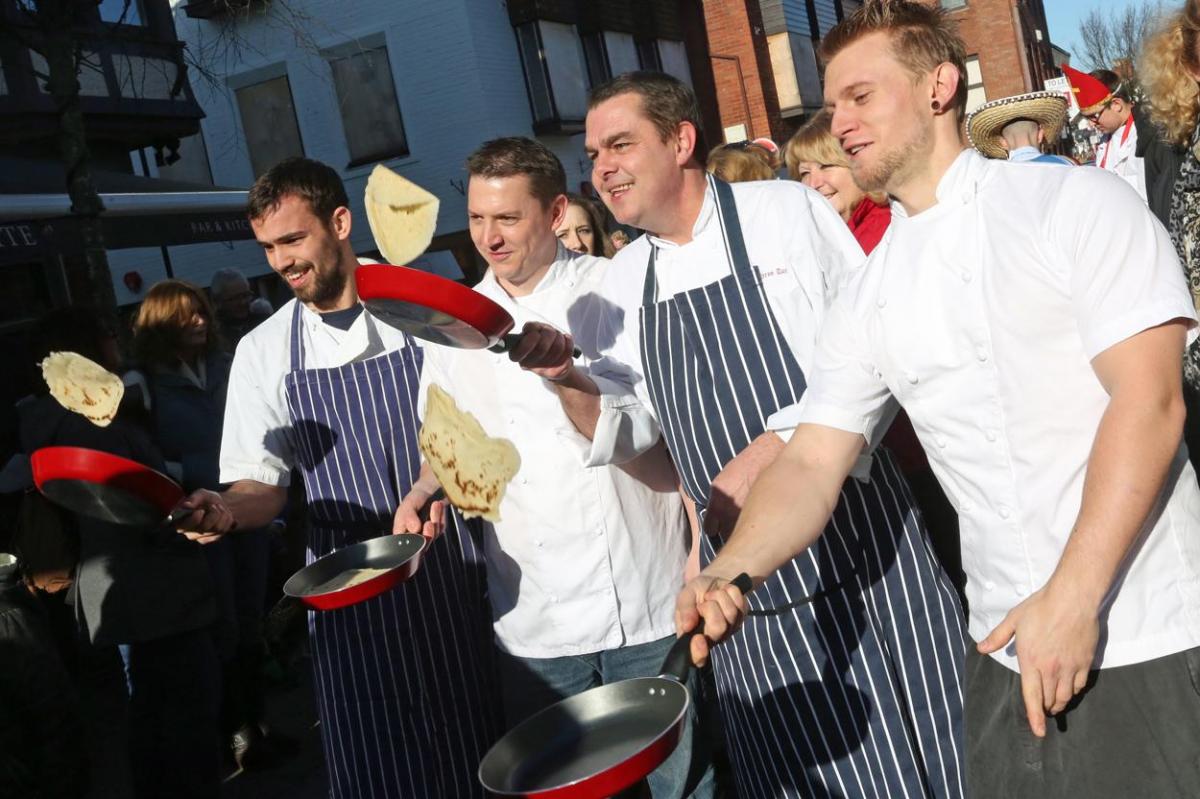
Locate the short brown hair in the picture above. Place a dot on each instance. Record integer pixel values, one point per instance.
(739, 162)
(517, 155)
(317, 184)
(161, 320)
(922, 38)
(666, 100)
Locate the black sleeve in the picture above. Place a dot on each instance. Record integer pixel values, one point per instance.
(43, 699)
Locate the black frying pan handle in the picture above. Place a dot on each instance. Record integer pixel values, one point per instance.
(679, 659)
(509, 340)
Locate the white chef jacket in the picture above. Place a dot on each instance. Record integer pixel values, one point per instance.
(255, 443)
(582, 560)
(802, 249)
(1117, 154)
(982, 315)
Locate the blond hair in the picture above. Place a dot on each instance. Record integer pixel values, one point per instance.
(922, 37)
(815, 142)
(1168, 71)
(739, 162)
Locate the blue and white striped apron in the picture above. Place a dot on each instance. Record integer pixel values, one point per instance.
(846, 680)
(405, 681)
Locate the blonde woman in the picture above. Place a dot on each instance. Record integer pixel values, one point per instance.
(815, 158)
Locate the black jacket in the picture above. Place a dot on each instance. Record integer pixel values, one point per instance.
(1162, 161)
(41, 754)
(132, 585)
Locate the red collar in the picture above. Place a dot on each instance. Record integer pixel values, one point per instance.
(1124, 136)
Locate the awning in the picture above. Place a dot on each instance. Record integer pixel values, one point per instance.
(35, 219)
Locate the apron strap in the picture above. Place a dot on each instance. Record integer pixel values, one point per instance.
(297, 343)
(731, 229)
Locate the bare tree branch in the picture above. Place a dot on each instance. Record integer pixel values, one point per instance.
(1112, 38)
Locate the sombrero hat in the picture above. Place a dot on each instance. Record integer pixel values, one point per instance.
(984, 124)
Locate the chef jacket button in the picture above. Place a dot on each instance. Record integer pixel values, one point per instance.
(881, 302)
(941, 442)
(990, 435)
(553, 598)
(988, 585)
(981, 353)
(538, 544)
(911, 377)
(965, 275)
(966, 196)
(1004, 511)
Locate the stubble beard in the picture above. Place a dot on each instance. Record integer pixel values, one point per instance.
(324, 288)
(898, 164)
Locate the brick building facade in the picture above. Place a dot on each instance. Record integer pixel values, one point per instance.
(768, 79)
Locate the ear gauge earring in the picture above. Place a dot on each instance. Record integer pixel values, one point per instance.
(935, 105)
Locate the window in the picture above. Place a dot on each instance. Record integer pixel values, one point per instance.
(127, 12)
(370, 111)
(952, 4)
(188, 162)
(269, 122)
(674, 60)
(556, 75)
(648, 56)
(595, 56)
(976, 94)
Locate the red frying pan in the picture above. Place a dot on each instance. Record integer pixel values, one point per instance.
(380, 563)
(106, 487)
(435, 309)
(600, 742)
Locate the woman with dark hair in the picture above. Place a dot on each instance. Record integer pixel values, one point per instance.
(185, 372)
(583, 228)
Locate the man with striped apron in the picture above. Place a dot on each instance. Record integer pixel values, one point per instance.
(846, 679)
(404, 681)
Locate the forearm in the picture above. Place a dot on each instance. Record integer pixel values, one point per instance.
(786, 510)
(1130, 459)
(254, 504)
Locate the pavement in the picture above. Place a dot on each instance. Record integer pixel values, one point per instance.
(291, 709)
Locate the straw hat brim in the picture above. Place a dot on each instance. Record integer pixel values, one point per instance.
(984, 124)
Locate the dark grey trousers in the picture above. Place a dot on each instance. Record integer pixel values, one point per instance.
(1133, 732)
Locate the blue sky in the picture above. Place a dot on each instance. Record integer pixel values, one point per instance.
(1063, 16)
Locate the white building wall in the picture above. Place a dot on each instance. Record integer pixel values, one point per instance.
(458, 80)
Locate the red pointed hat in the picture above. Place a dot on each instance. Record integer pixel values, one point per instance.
(1089, 92)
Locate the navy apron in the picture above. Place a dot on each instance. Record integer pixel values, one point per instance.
(846, 680)
(405, 681)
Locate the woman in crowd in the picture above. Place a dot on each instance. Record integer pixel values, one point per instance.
(815, 158)
(1170, 75)
(740, 161)
(583, 228)
(184, 374)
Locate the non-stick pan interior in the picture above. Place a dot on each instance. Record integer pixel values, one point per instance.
(384, 552)
(584, 735)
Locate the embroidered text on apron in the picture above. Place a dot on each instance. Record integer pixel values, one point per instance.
(404, 681)
(858, 692)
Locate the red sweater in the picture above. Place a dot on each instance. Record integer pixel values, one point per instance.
(868, 222)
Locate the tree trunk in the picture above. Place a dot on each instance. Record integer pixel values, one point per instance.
(58, 20)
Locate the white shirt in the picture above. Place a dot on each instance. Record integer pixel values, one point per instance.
(256, 443)
(982, 315)
(800, 245)
(582, 560)
(1117, 154)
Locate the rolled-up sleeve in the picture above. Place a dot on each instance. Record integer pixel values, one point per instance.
(626, 427)
(256, 441)
(1125, 275)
